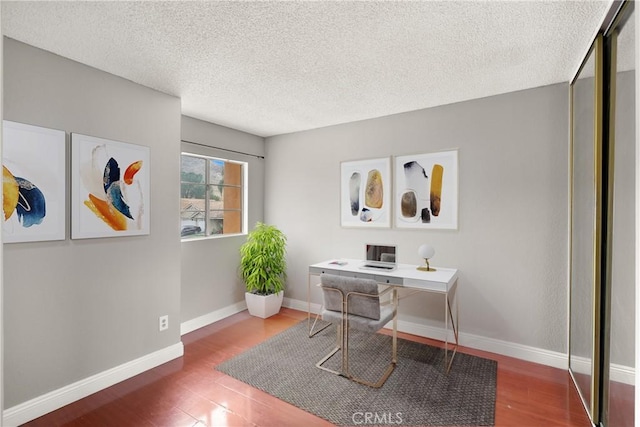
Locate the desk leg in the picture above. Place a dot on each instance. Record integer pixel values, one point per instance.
(311, 326)
(454, 326)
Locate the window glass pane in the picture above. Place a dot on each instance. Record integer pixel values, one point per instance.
(230, 222)
(216, 193)
(192, 212)
(215, 224)
(192, 191)
(233, 173)
(193, 169)
(232, 197)
(216, 171)
(216, 218)
(225, 197)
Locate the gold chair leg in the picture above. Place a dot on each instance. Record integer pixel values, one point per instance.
(342, 343)
(327, 357)
(380, 382)
(387, 372)
(337, 348)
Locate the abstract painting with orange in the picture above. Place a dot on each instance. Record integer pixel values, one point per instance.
(426, 190)
(111, 189)
(33, 183)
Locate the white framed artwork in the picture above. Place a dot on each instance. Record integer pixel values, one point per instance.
(33, 183)
(426, 190)
(110, 188)
(365, 193)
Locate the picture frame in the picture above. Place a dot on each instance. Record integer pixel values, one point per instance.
(365, 193)
(426, 190)
(110, 188)
(34, 183)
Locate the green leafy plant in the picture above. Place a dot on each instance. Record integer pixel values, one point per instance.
(263, 263)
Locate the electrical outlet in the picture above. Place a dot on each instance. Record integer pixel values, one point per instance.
(163, 323)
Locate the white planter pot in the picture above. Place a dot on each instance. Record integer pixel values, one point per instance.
(263, 305)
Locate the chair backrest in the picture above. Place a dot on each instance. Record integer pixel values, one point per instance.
(365, 306)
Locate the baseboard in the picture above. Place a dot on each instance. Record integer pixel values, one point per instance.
(56, 399)
(209, 318)
(301, 305)
(518, 351)
(622, 374)
(618, 373)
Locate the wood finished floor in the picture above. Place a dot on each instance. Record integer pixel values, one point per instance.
(190, 392)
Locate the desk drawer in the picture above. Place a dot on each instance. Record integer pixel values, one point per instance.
(356, 275)
(389, 279)
(319, 270)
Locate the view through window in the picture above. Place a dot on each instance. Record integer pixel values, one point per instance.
(211, 196)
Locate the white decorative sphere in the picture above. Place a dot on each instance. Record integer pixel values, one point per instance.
(426, 251)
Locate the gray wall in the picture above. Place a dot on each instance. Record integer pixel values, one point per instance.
(511, 245)
(64, 320)
(209, 266)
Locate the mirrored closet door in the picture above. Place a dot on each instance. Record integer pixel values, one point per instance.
(586, 149)
(619, 335)
(602, 230)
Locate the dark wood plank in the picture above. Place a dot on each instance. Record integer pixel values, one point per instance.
(189, 392)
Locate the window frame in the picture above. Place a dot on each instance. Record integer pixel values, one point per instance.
(243, 187)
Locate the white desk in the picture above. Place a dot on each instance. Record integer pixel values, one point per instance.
(442, 281)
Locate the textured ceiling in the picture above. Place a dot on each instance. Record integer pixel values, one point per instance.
(272, 67)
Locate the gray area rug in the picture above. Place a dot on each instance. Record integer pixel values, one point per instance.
(418, 392)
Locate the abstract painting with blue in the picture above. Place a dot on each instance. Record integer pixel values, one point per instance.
(33, 183)
(110, 194)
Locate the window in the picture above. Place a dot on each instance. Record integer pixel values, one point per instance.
(212, 196)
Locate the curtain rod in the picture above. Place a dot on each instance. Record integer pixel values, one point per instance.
(223, 149)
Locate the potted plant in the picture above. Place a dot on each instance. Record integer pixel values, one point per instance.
(263, 268)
